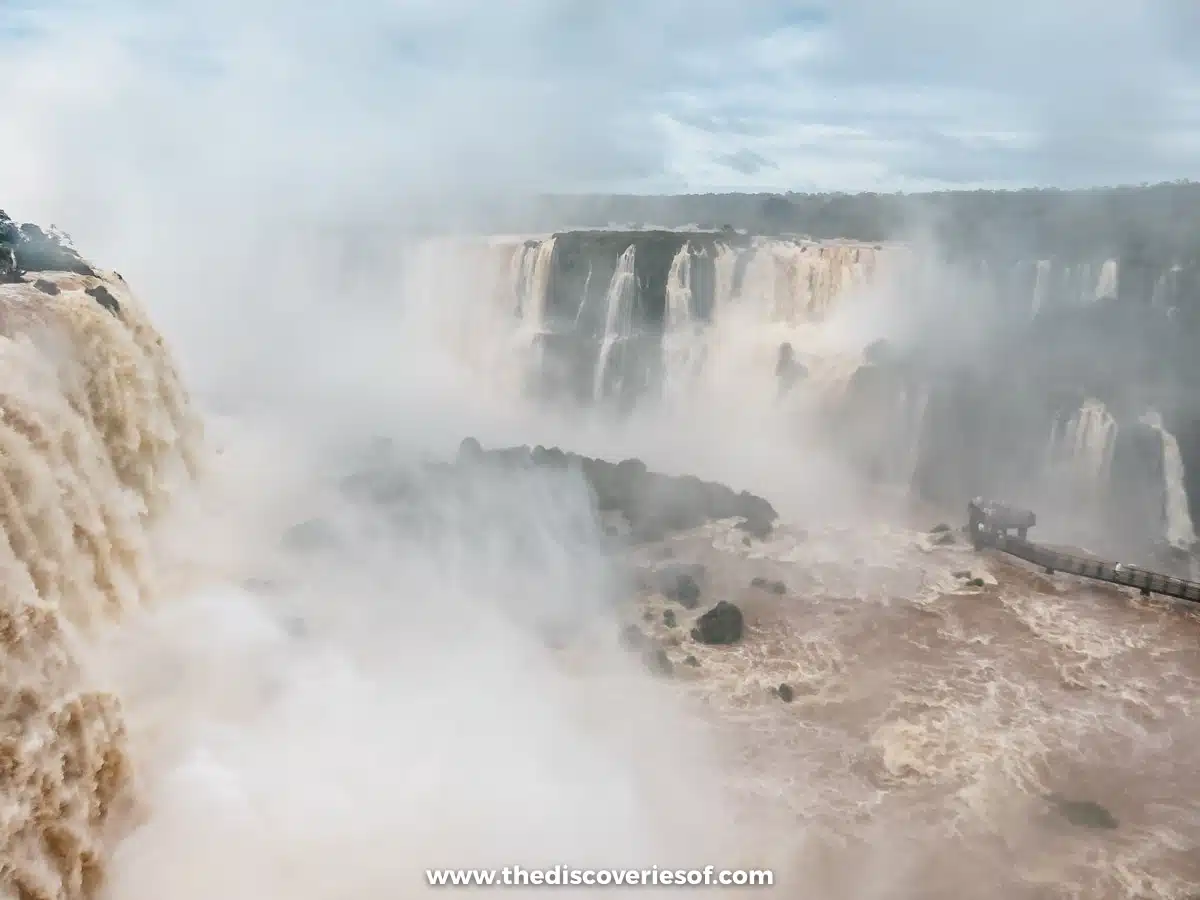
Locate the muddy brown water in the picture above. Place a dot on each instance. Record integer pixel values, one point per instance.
(946, 740)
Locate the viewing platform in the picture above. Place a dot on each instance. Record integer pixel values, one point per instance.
(993, 525)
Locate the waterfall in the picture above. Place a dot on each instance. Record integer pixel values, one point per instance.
(1082, 451)
(1181, 532)
(531, 267)
(618, 317)
(914, 402)
(724, 277)
(679, 312)
(1106, 284)
(1041, 284)
(683, 332)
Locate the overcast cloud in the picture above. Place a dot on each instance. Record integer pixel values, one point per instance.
(186, 101)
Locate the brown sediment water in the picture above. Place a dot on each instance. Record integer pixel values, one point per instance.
(94, 431)
(944, 739)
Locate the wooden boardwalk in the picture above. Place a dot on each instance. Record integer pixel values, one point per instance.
(994, 534)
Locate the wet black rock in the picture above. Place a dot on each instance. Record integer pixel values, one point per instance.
(976, 582)
(939, 528)
(469, 450)
(785, 693)
(101, 295)
(46, 287)
(764, 584)
(944, 538)
(669, 618)
(655, 505)
(691, 660)
(756, 527)
(788, 369)
(657, 661)
(1084, 813)
(721, 625)
(680, 583)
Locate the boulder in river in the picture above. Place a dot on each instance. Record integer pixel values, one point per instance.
(1084, 813)
(657, 661)
(679, 582)
(721, 625)
(773, 587)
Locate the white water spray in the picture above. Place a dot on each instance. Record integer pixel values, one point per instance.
(1181, 532)
(618, 317)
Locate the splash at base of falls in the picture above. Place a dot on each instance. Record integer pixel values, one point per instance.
(94, 431)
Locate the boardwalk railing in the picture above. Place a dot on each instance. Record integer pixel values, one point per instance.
(994, 534)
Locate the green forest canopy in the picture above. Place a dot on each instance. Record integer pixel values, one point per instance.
(1150, 224)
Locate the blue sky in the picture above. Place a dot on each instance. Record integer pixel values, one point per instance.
(648, 96)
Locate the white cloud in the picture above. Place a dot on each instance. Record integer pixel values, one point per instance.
(134, 105)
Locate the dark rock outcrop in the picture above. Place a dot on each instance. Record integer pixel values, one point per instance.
(680, 582)
(1084, 813)
(788, 369)
(102, 296)
(721, 625)
(657, 661)
(773, 587)
(655, 505)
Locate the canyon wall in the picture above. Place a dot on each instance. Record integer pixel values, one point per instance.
(1038, 379)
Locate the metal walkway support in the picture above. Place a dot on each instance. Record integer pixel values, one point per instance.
(990, 524)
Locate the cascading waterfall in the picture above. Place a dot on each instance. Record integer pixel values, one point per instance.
(618, 317)
(1106, 283)
(1181, 532)
(730, 304)
(679, 312)
(1081, 453)
(765, 295)
(1041, 284)
(913, 403)
(683, 333)
(798, 282)
(95, 428)
(532, 265)
(724, 277)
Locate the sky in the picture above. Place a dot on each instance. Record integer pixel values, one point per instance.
(198, 97)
